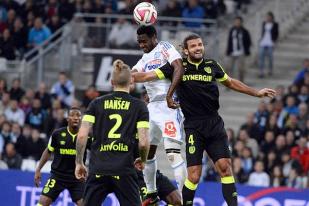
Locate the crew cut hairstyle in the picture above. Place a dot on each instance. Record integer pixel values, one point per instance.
(150, 31)
(188, 38)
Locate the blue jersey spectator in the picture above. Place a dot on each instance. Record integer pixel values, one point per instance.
(38, 34)
(301, 74)
(193, 10)
(63, 90)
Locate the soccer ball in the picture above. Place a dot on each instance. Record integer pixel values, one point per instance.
(145, 14)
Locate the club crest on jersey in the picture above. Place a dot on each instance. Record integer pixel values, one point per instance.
(154, 64)
(207, 70)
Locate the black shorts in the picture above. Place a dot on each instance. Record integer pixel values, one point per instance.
(55, 185)
(125, 188)
(164, 186)
(206, 134)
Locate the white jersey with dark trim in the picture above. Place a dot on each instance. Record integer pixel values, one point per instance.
(162, 54)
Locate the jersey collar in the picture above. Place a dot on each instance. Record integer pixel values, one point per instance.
(196, 64)
(73, 135)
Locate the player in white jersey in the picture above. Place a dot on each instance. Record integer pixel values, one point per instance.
(165, 123)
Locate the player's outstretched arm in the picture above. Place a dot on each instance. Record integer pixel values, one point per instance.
(81, 143)
(44, 158)
(145, 76)
(144, 143)
(241, 87)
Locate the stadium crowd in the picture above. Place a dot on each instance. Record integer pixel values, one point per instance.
(26, 24)
(272, 147)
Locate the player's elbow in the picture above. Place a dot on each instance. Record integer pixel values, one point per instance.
(144, 144)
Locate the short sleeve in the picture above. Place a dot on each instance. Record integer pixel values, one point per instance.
(143, 117)
(170, 52)
(139, 66)
(220, 74)
(90, 113)
(51, 143)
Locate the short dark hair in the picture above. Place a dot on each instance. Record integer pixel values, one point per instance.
(271, 14)
(239, 18)
(74, 108)
(150, 31)
(188, 38)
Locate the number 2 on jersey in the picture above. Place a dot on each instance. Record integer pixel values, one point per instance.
(112, 133)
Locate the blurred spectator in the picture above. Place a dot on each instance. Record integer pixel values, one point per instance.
(20, 36)
(38, 34)
(16, 92)
(290, 140)
(128, 7)
(56, 120)
(3, 17)
(7, 45)
(247, 160)
(66, 10)
(303, 116)
(261, 116)
(210, 8)
(289, 109)
(270, 161)
(238, 47)
(11, 157)
(25, 104)
(288, 164)
(22, 141)
(36, 145)
(301, 153)
(63, 89)
(268, 143)
(280, 145)
(270, 34)
(4, 103)
(3, 87)
(277, 179)
(259, 178)
(44, 96)
(51, 9)
(193, 10)
(291, 125)
(116, 38)
(5, 134)
(301, 74)
(30, 22)
(272, 125)
(15, 132)
(303, 96)
(54, 24)
(294, 180)
(90, 94)
(172, 10)
(252, 129)
(37, 116)
(14, 113)
(3, 165)
(10, 18)
(249, 142)
(98, 7)
(238, 171)
(237, 148)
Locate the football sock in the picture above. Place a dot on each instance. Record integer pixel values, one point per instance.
(229, 190)
(188, 192)
(150, 175)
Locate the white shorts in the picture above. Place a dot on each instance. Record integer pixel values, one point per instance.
(165, 122)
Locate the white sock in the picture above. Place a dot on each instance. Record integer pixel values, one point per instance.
(179, 167)
(150, 175)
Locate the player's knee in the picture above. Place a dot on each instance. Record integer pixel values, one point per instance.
(194, 176)
(175, 159)
(79, 202)
(224, 167)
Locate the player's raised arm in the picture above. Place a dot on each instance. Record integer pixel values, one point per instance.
(241, 87)
(44, 158)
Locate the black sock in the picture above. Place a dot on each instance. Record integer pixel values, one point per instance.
(229, 190)
(188, 193)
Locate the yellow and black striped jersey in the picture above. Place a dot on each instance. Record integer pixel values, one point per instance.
(115, 119)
